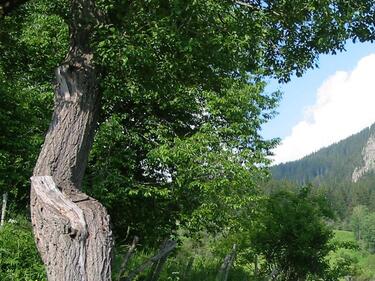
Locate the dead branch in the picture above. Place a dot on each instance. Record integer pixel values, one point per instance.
(127, 257)
(169, 247)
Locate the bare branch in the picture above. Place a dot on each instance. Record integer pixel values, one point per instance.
(226, 265)
(170, 245)
(246, 4)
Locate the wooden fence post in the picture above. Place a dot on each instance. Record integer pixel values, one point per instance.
(127, 257)
(3, 208)
(189, 265)
(226, 265)
(163, 253)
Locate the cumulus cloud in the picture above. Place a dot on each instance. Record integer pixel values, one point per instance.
(345, 104)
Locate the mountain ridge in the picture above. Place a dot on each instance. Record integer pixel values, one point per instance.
(347, 160)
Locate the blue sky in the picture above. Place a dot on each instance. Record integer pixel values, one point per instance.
(301, 94)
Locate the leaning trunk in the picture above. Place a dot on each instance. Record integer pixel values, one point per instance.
(71, 229)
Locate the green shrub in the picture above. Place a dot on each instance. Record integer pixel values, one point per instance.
(293, 237)
(19, 259)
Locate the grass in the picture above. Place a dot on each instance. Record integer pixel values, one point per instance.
(344, 236)
(204, 267)
(364, 261)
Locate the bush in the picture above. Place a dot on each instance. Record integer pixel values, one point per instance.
(19, 259)
(293, 237)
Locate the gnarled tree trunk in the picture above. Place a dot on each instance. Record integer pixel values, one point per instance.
(71, 229)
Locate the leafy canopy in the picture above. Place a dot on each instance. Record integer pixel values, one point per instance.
(183, 97)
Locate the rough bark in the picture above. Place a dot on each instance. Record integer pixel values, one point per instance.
(71, 229)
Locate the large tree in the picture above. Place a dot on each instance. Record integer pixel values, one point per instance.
(159, 48)
(71, 229)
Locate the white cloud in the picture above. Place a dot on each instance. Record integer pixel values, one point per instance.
(345, 104)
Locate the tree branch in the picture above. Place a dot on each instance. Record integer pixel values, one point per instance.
(246, 4)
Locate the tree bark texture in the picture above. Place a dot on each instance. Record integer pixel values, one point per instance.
(71, 229)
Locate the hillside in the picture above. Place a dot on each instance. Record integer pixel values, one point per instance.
(345, 161)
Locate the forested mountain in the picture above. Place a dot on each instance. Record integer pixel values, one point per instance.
(345, 161)
(343, 171)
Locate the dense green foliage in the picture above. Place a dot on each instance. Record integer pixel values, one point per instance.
(362, 265)
(19, 259)
(180, 112)
(331, 169)
(191, 173)
(362, 223)
(293, 236)
(27, 61)
(357, 219)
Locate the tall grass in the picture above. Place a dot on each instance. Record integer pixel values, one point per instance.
(188, 268)
(19, 260)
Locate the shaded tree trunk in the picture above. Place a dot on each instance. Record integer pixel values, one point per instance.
(71, 229)
(4, 208)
